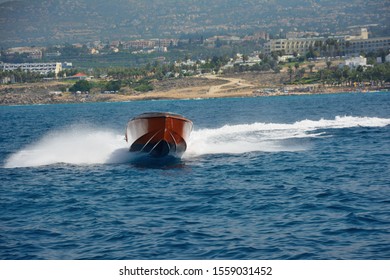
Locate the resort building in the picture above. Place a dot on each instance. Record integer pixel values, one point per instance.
(42, 68)
(332, 46)
(367, 45)
(293, 45)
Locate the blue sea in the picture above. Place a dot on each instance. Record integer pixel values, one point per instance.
(289, 177)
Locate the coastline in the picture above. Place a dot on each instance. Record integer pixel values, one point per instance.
(204, 87)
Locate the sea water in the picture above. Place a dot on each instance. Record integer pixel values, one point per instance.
(292, 177)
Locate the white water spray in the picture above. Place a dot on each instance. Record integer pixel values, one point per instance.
(268, 137)
(81, 145)
(77, 145)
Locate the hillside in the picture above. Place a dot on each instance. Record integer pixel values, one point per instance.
(40, 22)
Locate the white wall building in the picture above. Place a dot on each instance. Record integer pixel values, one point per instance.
(346, 45)
(293, 45)
(356, 61)
(42, 68)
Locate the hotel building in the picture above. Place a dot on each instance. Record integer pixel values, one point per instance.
(346, 45)
(42, 68)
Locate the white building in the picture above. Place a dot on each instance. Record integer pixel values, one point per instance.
(42, 68)
(346, 45)
(356, 61)
(362, 35)
(67, 65)
(292, 45)
(285, 58)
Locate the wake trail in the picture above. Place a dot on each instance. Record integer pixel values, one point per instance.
(269, 137)
(83, 145)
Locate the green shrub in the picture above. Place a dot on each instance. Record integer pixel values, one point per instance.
(82, 86)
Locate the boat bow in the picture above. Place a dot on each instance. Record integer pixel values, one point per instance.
(159, 134)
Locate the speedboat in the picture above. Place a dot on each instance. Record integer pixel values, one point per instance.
(159, 134)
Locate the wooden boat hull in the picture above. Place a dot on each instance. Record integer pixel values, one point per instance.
(159, 134)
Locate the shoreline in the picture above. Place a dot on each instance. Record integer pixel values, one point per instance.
(120, 99)
(205, 87)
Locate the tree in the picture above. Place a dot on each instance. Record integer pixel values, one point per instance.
(301, 72)
(144, 86)
(331, 44)
(290, 71)
(261, 56)
(312, 53)
(296, 66)
(113, 86)
(82, 86)
(318, 47)
(345, 73)
(277, 69)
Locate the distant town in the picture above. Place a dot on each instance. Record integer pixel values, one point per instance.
(136, 63)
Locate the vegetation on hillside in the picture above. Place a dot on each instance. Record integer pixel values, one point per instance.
(42, 21)
(82, 86)
(378, 75)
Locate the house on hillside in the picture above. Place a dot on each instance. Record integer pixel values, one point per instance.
(79, 76)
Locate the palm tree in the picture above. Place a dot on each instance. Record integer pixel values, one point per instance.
(301, 72)
(296, 66)
(290, 72)
(245, 58)
(318, 46)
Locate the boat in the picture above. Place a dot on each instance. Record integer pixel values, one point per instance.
(159, 134)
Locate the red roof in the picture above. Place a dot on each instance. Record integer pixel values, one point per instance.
(80, 75)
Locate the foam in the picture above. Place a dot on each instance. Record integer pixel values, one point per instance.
(77, 145)
(83, 145)
(269, 137)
